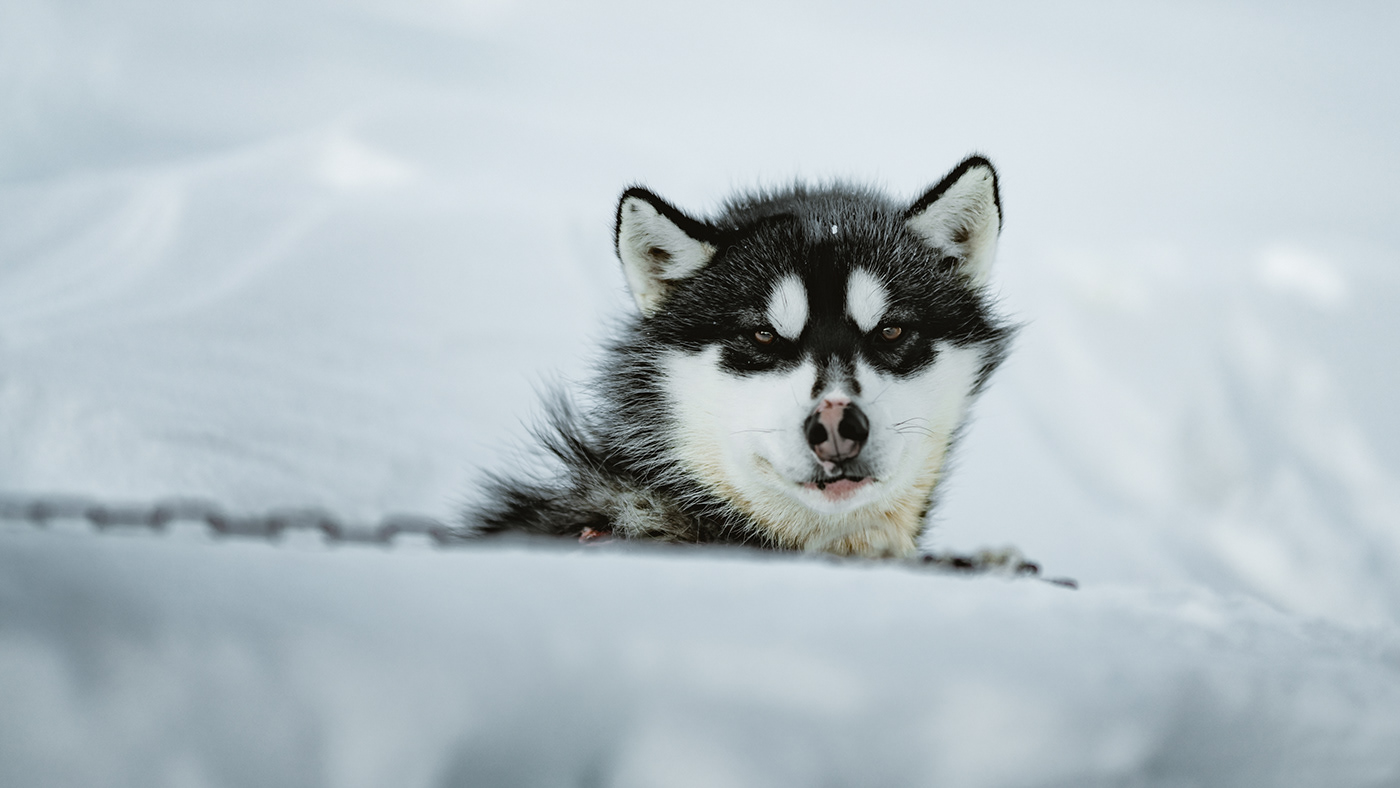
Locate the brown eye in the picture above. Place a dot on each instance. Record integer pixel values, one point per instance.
(891, 333)
(763, 336)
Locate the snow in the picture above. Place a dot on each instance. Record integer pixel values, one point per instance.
(299, 253)
(291, 665)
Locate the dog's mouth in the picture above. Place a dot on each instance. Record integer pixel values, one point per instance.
(839, 488)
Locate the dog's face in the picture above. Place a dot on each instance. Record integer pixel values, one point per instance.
(819, 349)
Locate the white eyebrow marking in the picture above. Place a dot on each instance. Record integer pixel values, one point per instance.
(866, 299)
(787, 307)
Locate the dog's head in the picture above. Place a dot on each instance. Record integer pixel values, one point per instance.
(819, 348)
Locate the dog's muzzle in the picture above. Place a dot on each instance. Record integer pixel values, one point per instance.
(836, 430)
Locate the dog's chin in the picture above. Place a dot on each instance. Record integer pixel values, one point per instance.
(836, 496)
(839, 490)
(823, 496)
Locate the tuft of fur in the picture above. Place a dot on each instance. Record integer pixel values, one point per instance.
(624, 488)
(625, 464)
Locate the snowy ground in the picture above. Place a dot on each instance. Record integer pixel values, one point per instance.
(323, 254)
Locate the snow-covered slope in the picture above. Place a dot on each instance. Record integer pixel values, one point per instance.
(300, 253)
(161, 661)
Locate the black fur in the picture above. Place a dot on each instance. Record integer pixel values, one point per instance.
(615, 463)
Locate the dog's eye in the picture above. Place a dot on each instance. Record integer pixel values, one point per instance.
(891, 333)
(763, 336)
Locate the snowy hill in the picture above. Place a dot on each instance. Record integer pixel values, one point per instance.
(138, 660)
(303, 254)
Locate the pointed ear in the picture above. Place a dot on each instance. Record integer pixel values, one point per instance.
(961, 217)
(658, 245)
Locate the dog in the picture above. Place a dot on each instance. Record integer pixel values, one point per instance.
(799, 369)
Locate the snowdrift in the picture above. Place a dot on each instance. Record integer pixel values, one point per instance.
(166, 660)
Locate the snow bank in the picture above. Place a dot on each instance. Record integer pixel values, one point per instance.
(140, 660)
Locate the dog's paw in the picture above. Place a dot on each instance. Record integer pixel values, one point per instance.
(1003, 562)
(593, 536)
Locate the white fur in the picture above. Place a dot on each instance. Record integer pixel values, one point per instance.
(787, 307)
(913, 419)
(655, 253)
(726, 422)
(742, 437)
(866, 299)
(966, 211)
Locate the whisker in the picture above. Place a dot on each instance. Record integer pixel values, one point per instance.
(914, 430)
(877, 397)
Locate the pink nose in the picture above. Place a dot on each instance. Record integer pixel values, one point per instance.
(837, 429)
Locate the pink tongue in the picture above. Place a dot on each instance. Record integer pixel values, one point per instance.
(840, 489)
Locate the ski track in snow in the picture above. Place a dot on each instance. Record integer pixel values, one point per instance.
(292, 254)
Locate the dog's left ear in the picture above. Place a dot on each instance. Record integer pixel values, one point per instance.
(961, 217)
(658, 246)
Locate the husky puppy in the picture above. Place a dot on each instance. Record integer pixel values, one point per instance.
(800, 366)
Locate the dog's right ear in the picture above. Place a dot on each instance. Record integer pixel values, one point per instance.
(961, 218)
(658, 245)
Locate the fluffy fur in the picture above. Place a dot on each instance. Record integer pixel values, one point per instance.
(800, 366)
